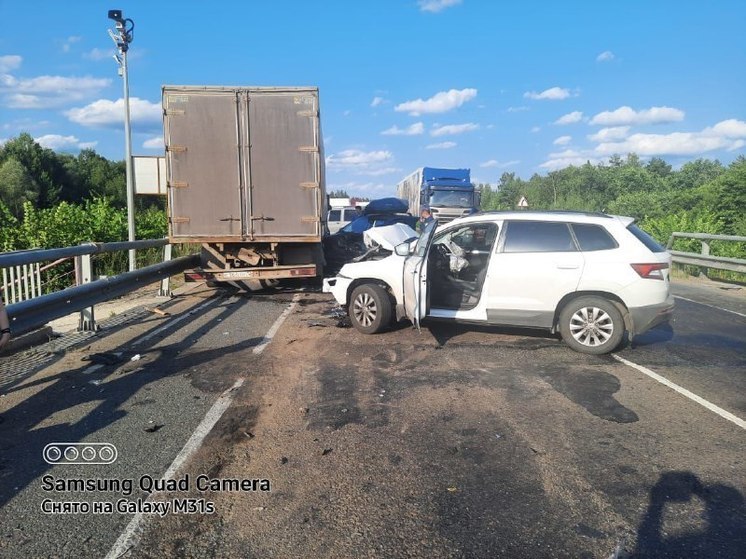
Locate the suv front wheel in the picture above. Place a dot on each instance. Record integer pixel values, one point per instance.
(591, 325)
(370, 308)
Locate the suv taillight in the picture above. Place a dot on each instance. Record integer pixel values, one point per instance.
(650, 271)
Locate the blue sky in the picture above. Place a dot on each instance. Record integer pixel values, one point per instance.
(523, 87)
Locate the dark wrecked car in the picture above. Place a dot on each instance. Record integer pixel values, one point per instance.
(348, 243)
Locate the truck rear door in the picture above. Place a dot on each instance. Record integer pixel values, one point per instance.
(285, 165)
(204, 168)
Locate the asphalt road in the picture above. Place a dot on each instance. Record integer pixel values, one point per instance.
(450, 442)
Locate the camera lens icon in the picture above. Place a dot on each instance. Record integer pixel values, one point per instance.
(80, 453)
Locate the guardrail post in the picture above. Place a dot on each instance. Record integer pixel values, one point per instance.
(165, 290)
(87, 321)
(705, 252)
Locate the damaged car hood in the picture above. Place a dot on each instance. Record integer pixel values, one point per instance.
(388, 237)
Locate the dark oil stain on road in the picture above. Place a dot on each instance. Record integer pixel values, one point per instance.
(237, 424)
(338, 404)
(593, 390)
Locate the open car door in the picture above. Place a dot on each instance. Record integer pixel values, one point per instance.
(415, 276)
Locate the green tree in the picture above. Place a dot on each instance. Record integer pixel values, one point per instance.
(17, 186)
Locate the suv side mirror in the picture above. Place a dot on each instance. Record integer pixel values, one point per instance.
(402, 249)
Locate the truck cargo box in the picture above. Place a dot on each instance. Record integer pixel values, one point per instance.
(244, 164)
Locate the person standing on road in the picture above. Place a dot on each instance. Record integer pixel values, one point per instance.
(425, 218)
(4, 325)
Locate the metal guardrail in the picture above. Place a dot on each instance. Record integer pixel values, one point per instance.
(704, 259)
(33, 313)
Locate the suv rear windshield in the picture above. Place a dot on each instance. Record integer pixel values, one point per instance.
(645, 239)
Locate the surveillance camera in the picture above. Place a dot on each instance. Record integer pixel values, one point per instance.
(116, 15)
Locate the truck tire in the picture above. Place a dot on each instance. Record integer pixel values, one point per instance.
(591, 325)
(370, 308)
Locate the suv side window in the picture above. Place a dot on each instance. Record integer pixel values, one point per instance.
(593, 237)
(538, 236)
(334, 215)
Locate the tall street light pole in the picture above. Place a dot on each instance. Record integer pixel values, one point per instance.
(122, 37)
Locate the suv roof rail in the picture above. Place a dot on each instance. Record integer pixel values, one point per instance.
(539, 212)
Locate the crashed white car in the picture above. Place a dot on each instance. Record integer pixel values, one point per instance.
(588, 276)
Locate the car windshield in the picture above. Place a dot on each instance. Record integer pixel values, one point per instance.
(451, 199)
(357, 226)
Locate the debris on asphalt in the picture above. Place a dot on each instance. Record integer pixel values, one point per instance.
(317, 323)
(259, 509)
(284, 460)
(153, 428)
(326, 451)
(498, 436)
(303, 411)
(249, 434)
(136, 357)
(95, 382)
(158, 311)
(452, 489)
(344, 322)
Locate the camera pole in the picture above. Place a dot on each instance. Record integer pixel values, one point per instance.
(122, 37)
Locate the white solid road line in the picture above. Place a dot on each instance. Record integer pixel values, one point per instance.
(684, 392)
(131, 535)
(708, 305)
(276, 326)
(170, 323)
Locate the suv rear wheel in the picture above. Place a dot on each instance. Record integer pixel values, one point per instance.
(370, 308)
(591, 325)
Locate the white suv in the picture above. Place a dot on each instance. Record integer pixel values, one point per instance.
(589, 276)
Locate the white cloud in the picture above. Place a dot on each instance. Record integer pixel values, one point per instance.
(110, 114)
(414, 130)
(435, 6)
(377, 101)
(69, 42)
(48, 91)
(563, 159)
(9, 62)
(605, 56)
(610, 134)
(379, 172)
(98, 54)
(628, 116)
(569, 118)
(562, 140)
(452, 129)
(355, 158)
(536, 129)
(442, 145)
(441, 102)
(730, 128)
(738, 144)
(728, 135)
(494, 163)
(59, 142)
(518, 109)
(551, 94)
(156, 142)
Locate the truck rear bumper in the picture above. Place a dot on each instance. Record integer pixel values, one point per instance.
(276, 272)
